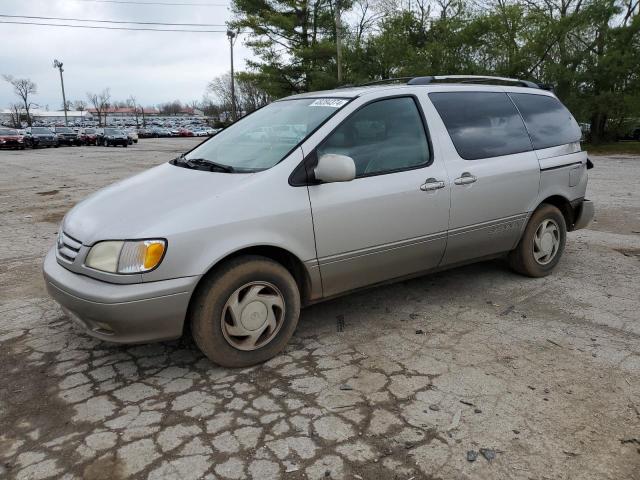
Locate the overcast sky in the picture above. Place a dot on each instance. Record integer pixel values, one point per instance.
(155, 67)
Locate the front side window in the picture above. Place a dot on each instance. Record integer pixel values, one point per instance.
(482, 124)
(262, 139)
(384, 136)
(548, 121)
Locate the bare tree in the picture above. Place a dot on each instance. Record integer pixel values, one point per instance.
(23, 88)
(131, 103)
(100, 102)
(80, 105)
(248, 95)
(15, 112)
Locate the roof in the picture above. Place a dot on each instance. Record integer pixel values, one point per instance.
(436, 83)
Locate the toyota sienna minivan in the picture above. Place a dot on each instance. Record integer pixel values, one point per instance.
(365, 185)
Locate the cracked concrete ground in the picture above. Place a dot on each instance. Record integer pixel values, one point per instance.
(396, 382)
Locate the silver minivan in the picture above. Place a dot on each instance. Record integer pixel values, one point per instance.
(350, 188)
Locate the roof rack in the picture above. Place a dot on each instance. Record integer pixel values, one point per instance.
(427, 80)
(470, 79)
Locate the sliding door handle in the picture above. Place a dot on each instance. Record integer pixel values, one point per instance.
(465, 179)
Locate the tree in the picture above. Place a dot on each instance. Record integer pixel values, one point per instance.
(131, 103)
(80, 105)
(249, 95)
(15, 113)
(100, 102)
(24, 89)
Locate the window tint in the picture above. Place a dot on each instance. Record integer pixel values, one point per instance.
(548, 121)
(383, 136)
(482, 124)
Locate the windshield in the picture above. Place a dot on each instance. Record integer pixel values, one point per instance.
(64, 130)
(89, 130)
(6, 131)
(262, 139)
(40, 130)
(112, 131)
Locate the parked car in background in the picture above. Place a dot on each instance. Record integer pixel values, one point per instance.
(114, 137)
(145, 133)
(199, 132)
(43, 137)
(89, 136)
(11, 138)
(133, 135)
(67, 136)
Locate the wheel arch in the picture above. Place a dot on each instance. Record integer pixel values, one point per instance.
(284, 257)
(564, 205)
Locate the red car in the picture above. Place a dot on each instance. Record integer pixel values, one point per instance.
(89, 136)
(10, 138)
(184, 132)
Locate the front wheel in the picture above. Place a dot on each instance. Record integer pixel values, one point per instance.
(542, 243)
(106, 143)
(246, 312)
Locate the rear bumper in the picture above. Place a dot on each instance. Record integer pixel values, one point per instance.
(584, 214)
(133, 313)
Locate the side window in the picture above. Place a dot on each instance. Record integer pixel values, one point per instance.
(548, 121)
(384, 136)
(482, 124)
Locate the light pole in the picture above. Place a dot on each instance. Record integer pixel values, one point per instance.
(58, 65)
(232, 39)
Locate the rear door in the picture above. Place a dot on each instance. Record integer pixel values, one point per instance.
(392, 219)
(493, 171)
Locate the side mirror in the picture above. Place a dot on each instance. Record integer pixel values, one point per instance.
(335, 168)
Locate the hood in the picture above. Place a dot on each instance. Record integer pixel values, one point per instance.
(147, 205)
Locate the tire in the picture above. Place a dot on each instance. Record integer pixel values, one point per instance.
(106, 143)
(125, 145)
(539, 259)
(210, 303)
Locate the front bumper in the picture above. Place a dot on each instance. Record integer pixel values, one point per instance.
(584, 213)
(132, 313)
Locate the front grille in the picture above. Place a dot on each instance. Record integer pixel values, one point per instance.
(68, 247)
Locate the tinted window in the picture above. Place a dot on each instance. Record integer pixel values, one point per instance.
(384, 136)
(548, 121)
(482, 124)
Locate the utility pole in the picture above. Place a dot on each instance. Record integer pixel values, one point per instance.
(338, 40)
(232, 36)
(58, 65)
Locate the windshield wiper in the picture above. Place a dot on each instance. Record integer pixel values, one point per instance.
(203, 163)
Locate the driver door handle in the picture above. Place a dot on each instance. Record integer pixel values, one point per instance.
(431, 184)
(465, 179)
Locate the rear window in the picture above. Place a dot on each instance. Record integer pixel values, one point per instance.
(482, 124)
(548, 121)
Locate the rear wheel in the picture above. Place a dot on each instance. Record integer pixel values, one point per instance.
(542, 243)
(246, 312)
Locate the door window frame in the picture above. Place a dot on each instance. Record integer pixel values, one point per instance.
(301, 175)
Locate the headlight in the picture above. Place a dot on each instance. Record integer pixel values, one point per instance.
(130, 256)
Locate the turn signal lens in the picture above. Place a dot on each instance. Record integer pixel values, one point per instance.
(153, 254)
(131, 256)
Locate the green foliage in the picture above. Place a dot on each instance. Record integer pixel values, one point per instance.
(588, 50)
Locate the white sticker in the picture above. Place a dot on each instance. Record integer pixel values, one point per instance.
(328, 102)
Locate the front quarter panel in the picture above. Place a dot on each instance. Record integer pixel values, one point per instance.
(266, 211)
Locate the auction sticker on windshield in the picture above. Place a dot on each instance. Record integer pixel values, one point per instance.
(328, 102)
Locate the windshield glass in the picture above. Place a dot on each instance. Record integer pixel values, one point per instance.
(262, 139)
(64, 130)
(112, 131)
(6, 131)
(40, 130)
(89, 130)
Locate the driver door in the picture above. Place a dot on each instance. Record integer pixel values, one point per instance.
(392, 219)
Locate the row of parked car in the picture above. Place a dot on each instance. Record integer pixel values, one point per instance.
(37, 137)
(191, 131)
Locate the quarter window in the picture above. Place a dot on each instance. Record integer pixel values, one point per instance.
(548, 121)
(382, 137)
(482, 124)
